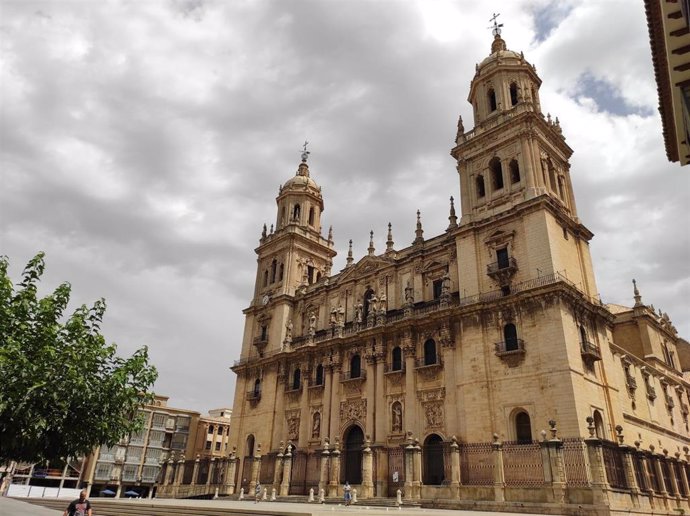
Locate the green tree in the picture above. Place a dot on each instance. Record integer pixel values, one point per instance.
(63, 390)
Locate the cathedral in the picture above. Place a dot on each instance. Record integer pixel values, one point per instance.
(478, 366)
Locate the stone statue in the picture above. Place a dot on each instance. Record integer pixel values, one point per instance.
(445, 285)
(334, 316)
(409, 297)
(358, 313)
(397, 417)
(316, 427)
(382, 302)
(373, 304)
(312, 323)
(288, 331)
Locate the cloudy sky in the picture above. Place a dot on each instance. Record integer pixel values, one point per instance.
(143, 144)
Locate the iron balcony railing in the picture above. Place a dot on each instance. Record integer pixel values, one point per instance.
(510, 346)
(253, 395)
(510, 265)
(590, 351)
(353, 375)
(420, 362)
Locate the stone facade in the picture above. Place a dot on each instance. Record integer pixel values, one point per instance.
(433, 368)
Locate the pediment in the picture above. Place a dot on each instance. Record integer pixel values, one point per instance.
(499, 237)
(367, 265)
(432, 265)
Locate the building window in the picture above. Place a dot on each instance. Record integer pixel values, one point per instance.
(438, 288)
(319, 375)
(296, 213)
(208, 445)
(264, 332)
(523, 428)
(502, 258)
(310, 274)
(250, 446)
(396, 364)
(281, 270)
(218, 446)
(514, 169)
(257, 388)
(274, 266)
(513, 94)
(510, 337)
(432, 458)
(311, 216)
(598, 424)
(430, 352)
(481, 189)
(355, 366)
(210, 429)
(296, 379)
(496, 173)
(265, 278)
(491, 94)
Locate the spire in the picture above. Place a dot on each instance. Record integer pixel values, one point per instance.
(303, 169)
(389, 241)
(636, 293)
(349, 256)
(452, 217)
(263, 233)
(371, 243)
(330, 234)
(498, 43)
(419, 232)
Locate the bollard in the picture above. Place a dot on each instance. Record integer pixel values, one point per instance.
(322, 495)
(399, 497)
(273, 494)
(354, 496)
(265, 495)
(311, 495)
(215, 495)
(242, 494)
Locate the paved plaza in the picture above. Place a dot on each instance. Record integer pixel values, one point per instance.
(17, 507)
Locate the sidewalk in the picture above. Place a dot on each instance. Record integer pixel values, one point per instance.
(12, 507)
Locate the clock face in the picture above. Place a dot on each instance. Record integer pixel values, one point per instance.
(265, 300)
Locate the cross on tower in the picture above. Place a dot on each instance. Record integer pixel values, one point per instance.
(305, 152)
(496, 27)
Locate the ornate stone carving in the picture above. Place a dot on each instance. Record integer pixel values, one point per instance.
(292, 420)
(353, 410)
(352, 388)
(432, 395)
(433, 414)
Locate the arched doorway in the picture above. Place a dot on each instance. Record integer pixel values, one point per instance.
(432, 457)
(352, 465)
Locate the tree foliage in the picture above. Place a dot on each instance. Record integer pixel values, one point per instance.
(63, 390)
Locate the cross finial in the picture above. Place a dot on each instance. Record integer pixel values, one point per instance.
(305, 152)
(496, 27)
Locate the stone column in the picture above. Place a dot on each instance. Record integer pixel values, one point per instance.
(595, 455)
(410, 412)
(287, 470)
(499, 473)
(179, 472)
(278, 467)
(335, 402)
(454, 467)
(367, 471)
(644, 466)
(256, 468)
(409, 467)
(231, 472)
(380, 405)
(554, 446)
(211, 465)
(323, 472)
(370, 386)
(663, 488)
(327, 403)
(683, 472)
(417, 473)
(334, 477)
(169, 471)
(195, 471)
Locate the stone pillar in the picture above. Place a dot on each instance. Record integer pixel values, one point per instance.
(409, 467)
(195, 471)
(335, 401)
(595, 456)
(367, 471)
(380, 405)
(256, 469)
(673, 488)
(211, 465)
(231, 472)
(554, 447)
(323, 472)
(278, 466)
(410, 392)
(499, 474)
(170, 468)
(179, 473)
(663, 488)
(287, 470)
(454, 467)
(417, 473)
(370, 386)
(334, 477)
(327, 406)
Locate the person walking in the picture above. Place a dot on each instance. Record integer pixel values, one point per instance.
(79, 507)
(347, 491)
(257, 492)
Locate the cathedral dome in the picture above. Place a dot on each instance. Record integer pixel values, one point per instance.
(500, 54)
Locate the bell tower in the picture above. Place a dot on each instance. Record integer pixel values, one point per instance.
(289, 257)
(519, 217)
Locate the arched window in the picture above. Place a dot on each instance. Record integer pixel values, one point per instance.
(257, 388)
(598, 424)
(510, 337)
(396, 362)
(311, 216)
(561, 188)
(523, 428)
(250, 446)
(296, 379)
(396, 417)
(481, 189)
(496, 173)
(429, 352)
(355, 366)
(296, 213)
(583, 334)
(367, 300)
(274, 266)
(281, 270)
(432, 457)
(318, 276)
(319, 375)
(265, 278)
(491, 94)
(552, 177)
(264, 332)
(513, 94)
(514, 169)
(210, 429)
(352, 451)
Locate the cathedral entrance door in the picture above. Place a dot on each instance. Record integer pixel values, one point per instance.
(432, 456)
(352, 465)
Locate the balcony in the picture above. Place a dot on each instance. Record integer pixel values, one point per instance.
(393, 368)
(502, 271)
(260, 343)
(590, 352)
(512, 352)
(253, 395)
(348, 376)
(422, 362)
(289, 389)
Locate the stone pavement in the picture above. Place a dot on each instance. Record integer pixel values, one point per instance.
(17, 507)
